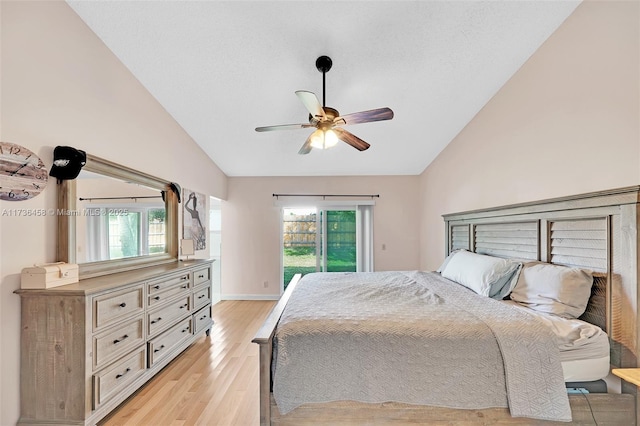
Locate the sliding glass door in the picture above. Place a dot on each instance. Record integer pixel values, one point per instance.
(339, 242)
(318, 239)
(300, 254)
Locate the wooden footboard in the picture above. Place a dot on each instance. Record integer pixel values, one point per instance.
(605, 409)
(264, 338)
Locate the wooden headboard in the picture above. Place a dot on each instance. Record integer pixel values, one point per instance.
(596, 231)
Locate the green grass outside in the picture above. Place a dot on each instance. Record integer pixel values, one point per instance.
(302, 260)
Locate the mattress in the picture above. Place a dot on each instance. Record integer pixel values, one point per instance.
(584, 347)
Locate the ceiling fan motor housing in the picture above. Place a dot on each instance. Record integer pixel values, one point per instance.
(330, 113)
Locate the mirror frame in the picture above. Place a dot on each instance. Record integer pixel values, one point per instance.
(67, 212)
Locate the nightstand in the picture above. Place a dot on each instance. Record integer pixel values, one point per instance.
(631, 375)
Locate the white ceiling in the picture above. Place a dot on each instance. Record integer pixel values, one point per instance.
(222, 68)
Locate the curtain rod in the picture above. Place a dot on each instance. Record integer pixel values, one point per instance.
(328, 195)
(118, 198)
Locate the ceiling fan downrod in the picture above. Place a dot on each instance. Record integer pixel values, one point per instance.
(323, 64)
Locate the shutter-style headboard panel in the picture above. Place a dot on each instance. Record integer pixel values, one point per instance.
(518, 240)
(460, 237)
(584, 243)
(581, 243)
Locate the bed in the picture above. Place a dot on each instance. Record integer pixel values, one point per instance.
(595, 232)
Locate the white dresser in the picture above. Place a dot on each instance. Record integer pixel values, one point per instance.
(86, 347)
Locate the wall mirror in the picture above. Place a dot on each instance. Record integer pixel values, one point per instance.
(113, 219)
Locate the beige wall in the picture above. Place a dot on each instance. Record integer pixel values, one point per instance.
(251, 226)
(567, 122)
(61, 86)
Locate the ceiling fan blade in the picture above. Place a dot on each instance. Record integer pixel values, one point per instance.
(311, 103)
(284, 127)
(351, 139)
(306, 147)
(379, 114)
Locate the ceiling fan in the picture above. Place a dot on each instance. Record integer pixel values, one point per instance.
(327, 120)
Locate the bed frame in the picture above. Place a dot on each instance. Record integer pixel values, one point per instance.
(598, 231)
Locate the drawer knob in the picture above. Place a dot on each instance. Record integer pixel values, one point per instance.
(201, 296)
(157, 287)
(156, 320)
(125, 372)
(184, 306)
(203, 317)
(185, 286)
(122, 305)
(185, 329)
(157, 298)
(115, 342)
(200, 276)
(159, 349)
(186, 277)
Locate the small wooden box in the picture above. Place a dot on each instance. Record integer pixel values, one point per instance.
(49, 275)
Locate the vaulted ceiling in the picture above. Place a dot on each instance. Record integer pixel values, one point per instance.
(222, 68)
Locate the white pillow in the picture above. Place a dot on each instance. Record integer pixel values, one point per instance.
(555, 289)
(486, 275)
(447, 259)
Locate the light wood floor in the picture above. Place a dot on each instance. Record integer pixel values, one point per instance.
(214, 382)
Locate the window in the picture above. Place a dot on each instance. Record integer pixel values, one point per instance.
(156, 221)
(121, 231)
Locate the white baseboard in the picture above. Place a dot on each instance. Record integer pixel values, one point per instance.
(250, 296)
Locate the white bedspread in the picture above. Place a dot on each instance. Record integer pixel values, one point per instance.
(416, 338)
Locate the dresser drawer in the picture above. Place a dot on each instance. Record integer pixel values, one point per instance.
(164, 344)
(169, 292)
(115, 342)
(201, 275)
(202, 319)
(109, 382)
(201, 297)
(162, 318)
(113, 307)
(179, 282)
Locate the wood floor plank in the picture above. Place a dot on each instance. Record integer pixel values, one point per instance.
(213, 382)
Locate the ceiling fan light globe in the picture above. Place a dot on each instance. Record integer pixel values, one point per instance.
(323, 139)
(330, 139)
(317, 139)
